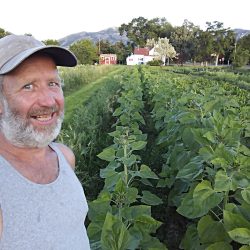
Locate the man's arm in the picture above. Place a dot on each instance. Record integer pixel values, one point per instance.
(68, 154)
(1, 223)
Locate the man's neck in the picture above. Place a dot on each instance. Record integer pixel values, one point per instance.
(24, 153)
(39, 165)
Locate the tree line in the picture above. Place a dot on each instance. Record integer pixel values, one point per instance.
(214, 45)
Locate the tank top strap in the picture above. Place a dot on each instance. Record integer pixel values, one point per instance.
(61, 158)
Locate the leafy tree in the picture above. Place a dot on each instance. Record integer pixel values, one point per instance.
(222, 38)
(121, 51)
(105, 47)
(139, 30)
(243, 45)
(183, 39)
(51, 42)
(162, 48)
(242, 58)
(3, 33)
(203, 45)
(85, 51)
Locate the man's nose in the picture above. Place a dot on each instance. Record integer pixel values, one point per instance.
(46, 97)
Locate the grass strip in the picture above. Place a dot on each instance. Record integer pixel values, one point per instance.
(82, 95)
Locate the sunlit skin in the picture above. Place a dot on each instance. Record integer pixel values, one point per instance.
(33, 86)
(33, 91)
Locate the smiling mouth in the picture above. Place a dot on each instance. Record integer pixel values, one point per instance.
(43, 118)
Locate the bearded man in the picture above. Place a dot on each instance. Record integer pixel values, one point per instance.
(42, 203)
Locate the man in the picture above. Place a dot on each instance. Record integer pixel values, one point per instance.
(42, 203)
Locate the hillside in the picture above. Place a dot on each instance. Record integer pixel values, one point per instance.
(240, 33)
(111, 34)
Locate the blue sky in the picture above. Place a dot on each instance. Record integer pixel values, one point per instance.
(55, 19)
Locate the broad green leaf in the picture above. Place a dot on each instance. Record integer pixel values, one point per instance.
(211, 105)
(131, 213)
(206, 152)
(107, 172)
(124, 118)
(188, 208)
(114, 234)
(152, 243)
(136, 237)
(211, 231)
(240, 180)
(245, 248)
(108, 154)
(132, 194)
(150, 199)
(190, 140)
(233, 221)
(146, 223)
(191, 239)
(118, 111)
(205, 197)
(222, 181)
(98, 209)
(220, 246)
(94, 230)
(211, 136)
(146, 182)
(246, 194)
(191, 170)
(138, 145)
(146, 172)
(225, 153)
(187, 118)
(111, 181)
(241, 235)
(129, 161)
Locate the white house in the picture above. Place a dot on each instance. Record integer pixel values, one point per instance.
(140, 56)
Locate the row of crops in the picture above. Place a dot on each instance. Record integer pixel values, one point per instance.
(169, 155)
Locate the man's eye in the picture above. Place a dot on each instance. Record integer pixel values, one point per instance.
(54, 84)
(28, 86)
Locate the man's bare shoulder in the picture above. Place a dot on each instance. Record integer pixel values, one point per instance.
(68, 154)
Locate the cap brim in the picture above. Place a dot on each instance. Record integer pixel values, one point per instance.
(61, 56)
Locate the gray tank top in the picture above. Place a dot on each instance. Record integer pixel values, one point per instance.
(42, 216)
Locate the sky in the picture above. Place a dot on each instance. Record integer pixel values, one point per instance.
(55, 19)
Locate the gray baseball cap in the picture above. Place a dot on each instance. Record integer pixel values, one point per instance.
(14, 49)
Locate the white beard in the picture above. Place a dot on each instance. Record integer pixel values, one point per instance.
(21, 134)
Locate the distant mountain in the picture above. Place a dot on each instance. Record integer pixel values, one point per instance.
(240, 33)
(111, 34)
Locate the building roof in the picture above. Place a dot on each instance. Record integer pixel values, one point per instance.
(107, 54)
(141, 51)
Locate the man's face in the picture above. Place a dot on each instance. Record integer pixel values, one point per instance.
(33, 104)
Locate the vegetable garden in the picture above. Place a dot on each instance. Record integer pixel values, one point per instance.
(163, 156)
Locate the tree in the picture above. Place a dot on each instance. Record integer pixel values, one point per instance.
(204, 47)
(51, 42)
(243, 44)
(3, 33)
(85, 51)
(121, 51)
(139, 30)
(222, 39)
(162, 48)
(241, 58)
(104, 47)
(183, 39)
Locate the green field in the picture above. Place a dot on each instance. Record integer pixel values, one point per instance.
(163, 155)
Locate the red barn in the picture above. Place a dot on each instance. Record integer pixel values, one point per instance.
(108, 59)
(141, 51)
